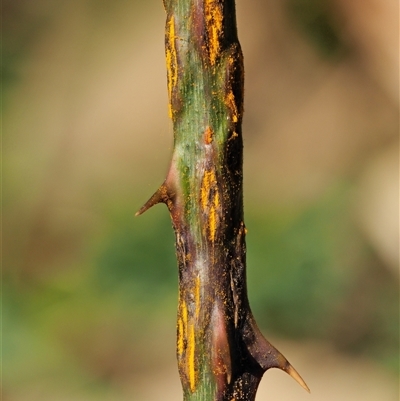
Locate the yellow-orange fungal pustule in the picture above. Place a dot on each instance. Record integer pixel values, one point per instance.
(210, 201)
(209, 181)
(190, 355)
(231, 103)
(181, 342)
(212, 223)
(214, 21)
(208, 135)
(172, 63)
(182, 327)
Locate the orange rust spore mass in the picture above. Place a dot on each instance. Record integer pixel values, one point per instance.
(208, 136)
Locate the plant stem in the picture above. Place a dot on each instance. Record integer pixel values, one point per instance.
(222, 354)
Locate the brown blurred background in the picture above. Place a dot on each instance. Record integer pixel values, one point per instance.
(89, 292)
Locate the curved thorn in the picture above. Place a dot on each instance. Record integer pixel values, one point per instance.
(291, 371)
(160, 196)
(265, 354)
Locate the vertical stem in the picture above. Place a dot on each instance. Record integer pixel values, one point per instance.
(221, 353)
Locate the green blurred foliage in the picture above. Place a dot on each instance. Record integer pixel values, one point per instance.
(82, 324)
(316, 21)
(312, 276)
(305, 262)
(139, 263)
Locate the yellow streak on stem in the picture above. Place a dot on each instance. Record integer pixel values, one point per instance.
(191, 358)
(172, 63)
(231, 103)
(181, 343)
(212, 222)
(208, 179)
(182, 328)
(184, 315)
(208, 136)
(209, 183)
(213, 212)
(214, 19)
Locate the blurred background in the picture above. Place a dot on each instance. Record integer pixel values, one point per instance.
(90, 292)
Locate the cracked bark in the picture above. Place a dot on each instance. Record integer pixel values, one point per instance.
(221, 353)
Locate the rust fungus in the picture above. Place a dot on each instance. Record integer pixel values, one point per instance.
(208, 136)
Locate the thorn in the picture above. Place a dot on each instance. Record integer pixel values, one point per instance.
(291, 371)
(220, 349)
(160, 196)
(266, 355)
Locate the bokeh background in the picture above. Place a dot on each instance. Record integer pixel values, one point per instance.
(90, 292)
